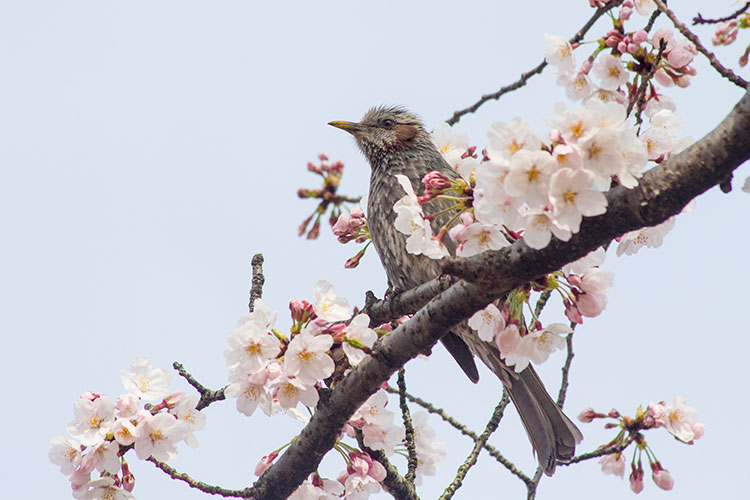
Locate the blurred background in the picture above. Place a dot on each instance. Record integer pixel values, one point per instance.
(149, 149)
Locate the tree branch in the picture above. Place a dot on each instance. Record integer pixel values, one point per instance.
(663, 192)
(256, 289)
(725, 72)
(408, 426)
(494, 421)
(198, 485)
(466, 432)
(534, 71)
(701, 20)
(399, 487)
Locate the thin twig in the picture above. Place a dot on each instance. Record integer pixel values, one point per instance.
(600, 452)
(466, 432)
(408, 426)
(198, 485)
(543, 298)
(494, 421)
(534, 71)
(725, 72)
(256, 289)
(639, 99)
(397, 485)
(566, 367)
(651, 21)
(701, 20)
(208, 396)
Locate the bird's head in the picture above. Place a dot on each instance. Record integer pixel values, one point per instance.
(384, 130)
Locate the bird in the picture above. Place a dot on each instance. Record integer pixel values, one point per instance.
(394, 141)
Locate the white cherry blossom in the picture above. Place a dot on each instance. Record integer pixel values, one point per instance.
(307, 357)
(359, 330)
(144, 381)
(327, 305)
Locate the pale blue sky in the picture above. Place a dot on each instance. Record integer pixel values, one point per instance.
(151, 148)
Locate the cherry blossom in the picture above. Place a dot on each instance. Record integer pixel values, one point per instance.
(249, 348)
(307, 358)
(360, 332)
(410, 221)
(103, 457)
(506, 139)
(451, 145)
(559, 52)
(158, 435)
(250, 395)
(373, 410)
(610, 71)
(541, 343)
(327, 305)
(105, 488)
(124, 431)
(144, 381)
(362, 478)
(572, 197)
(682, 420)
(66, 453)
(529, 177)
(195, 420)
(476, 237)
(539, 228)
(93, 420)
(290, 391)
(488, 322)
(384, 438)
(651, 237)
(613, 464)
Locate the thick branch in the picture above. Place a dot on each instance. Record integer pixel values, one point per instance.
(663, 192)
(408, 302)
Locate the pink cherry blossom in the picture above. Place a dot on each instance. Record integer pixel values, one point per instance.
(613, 464)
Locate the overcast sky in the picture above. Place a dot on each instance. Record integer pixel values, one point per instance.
(149, 149)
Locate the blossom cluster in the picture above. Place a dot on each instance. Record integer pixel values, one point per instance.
(330, 199)
(726, 34)
(275, 372)
(103, 430)
(582, 286)
(677, 418)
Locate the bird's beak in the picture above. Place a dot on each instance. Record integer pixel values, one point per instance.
(352, 128)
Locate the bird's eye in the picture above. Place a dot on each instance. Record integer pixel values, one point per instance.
(388, 122)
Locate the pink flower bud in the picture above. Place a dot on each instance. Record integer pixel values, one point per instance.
(265, 463)
(625, 13)
(632, 48)
(698, 430)
(587, 416)
(640, 36)
(658, 413)
(323, 157)
(315, 231)
(636, 478)
(612, 41)
(435, 181)
(682, 81)
(613, 413)
(661, 477)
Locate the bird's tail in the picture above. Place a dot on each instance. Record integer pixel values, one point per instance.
(552, 434)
